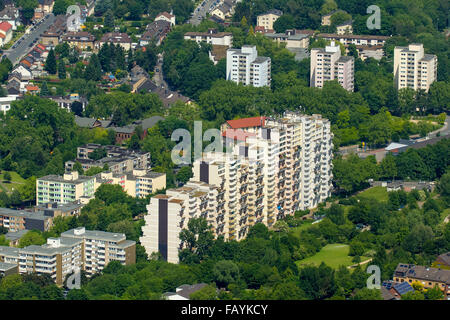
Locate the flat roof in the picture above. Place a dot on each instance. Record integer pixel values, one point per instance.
(95, 234)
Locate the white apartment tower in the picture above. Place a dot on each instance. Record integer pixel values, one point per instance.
(413, 68)
(244, 66)
(328, 64)
(275, 167)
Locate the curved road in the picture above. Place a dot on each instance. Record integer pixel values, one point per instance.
(28, 39)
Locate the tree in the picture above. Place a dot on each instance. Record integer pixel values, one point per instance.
(198, 240)
(225, 273)
(367, 294)
(32, 237)
(93, 70)
(318, 282)
(7, 177)
(286, 21)
(413, 295)
(434, 293)
(208, 292)
(109, 19)
(62, 74)
(77, 108)
(184, 174)
(50, 62)
(44, 92)
(78, 167)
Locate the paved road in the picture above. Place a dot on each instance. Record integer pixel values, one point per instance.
(444, 131)
(158, 77)
(206, 6)
(26, 41)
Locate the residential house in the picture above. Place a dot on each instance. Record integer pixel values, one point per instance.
(52, 36)
(44, 7)
(6, 32)
(116, 38)
(224, 11)
(155, 31)
(356, 39)
(164, 16)
(11, 15)
(81, 40)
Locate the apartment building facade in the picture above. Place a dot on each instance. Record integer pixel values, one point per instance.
(137, 183)
(65, 189)
(100, 248)
(57, 258)
(273, 167)
(212, 36)
(428, 277)
(328, 64)
(75, 249)
(413, 68)
(244, 66)
(267, 19)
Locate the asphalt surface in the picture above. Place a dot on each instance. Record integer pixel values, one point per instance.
(201, 11)
(444, 131)
(24, 44)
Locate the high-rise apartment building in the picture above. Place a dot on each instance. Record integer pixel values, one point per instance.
(244, 66)
(274, 167)
(328, 64)
(413, 68)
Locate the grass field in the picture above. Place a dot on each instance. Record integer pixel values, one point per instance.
(296, 231)
(378, 193)
(16, 180)
(334, 255)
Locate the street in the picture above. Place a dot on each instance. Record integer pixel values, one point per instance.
(24, 44)
(202, 9)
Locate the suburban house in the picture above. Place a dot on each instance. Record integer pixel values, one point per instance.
(212, 36)
(164, 16)
(81, 40)
(44, 7)
(267, 19)
(155, 31)
(11, 15)
(116, 38)
(225, 10)
(6, 32)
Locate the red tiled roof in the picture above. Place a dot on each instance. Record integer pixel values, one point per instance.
(247, 122)
(237, 134)
(5, 26)
(165, 14)
(2, 36)
(32, 88)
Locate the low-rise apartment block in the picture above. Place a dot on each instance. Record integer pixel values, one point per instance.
(118, 159)
(428, 277)
(99, 248)
(292, 38)
(273, 167)
(244, 66)
(212, 36)
(137, 183)
(328, 64)
(81, 40)
(65, 189)
(413, 68)
(78, 249)
(267, 19)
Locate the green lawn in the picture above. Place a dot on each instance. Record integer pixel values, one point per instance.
(296, 231)
(378, 193)
(334, 255)
(16, 180)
